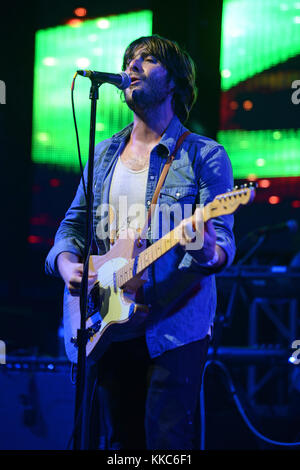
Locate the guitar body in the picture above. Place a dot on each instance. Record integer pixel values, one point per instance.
(113, 313)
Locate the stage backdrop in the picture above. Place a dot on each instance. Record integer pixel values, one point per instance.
(260, 74)
(97, 44)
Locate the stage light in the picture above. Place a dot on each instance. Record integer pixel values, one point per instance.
(103, 23)
(33, 239)
(233, 105)
(100, 126)
(83, 62)
(276, 135)
(274, 200)
(80, 12)
(225, 73)
(295, 204)
(292, 360)
(54, 182)
(43, 137)
(247, 105)
(260, 162)
(74, 22)
(49, 61)
(264, 183)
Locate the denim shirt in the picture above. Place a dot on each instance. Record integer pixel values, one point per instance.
(181, 293)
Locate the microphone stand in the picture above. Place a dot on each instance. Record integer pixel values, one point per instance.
(79, 441)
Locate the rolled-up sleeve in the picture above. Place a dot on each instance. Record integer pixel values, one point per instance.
(216, 178)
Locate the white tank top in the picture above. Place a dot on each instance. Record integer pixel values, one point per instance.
(127, 199)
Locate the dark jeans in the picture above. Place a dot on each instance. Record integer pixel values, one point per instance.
(143, 403)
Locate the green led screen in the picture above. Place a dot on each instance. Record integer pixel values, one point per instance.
(97, 44)
(256, 35)
(261, 153)
(260, 47)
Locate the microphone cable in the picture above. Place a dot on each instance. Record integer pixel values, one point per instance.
(77, 136)
(240, 409)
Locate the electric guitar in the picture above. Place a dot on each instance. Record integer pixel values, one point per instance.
(113, 310)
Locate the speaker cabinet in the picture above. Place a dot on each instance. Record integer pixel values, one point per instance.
(37, 400)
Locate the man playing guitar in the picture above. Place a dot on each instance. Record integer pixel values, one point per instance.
(148, 385)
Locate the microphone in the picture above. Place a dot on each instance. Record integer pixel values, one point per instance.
(291, 225)
(120, 80)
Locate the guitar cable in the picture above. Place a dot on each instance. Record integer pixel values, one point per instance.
(239, 406)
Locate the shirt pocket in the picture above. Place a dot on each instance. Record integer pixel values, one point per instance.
(174, 204)
(178, 195)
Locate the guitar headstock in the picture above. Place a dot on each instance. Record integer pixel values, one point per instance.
(227, 203)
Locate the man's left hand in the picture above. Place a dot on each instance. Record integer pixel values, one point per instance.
(206, 232)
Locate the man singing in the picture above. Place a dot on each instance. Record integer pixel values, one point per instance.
(147, 387)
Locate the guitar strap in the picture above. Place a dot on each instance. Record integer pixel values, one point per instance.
(161, 182)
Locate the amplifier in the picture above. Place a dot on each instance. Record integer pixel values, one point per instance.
(37, 401)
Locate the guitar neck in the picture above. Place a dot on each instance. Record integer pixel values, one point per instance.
(153, 252)
(222, 204)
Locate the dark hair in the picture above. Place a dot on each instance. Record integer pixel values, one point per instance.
(178, 64)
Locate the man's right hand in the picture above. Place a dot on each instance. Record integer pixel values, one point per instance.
(71, 271)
